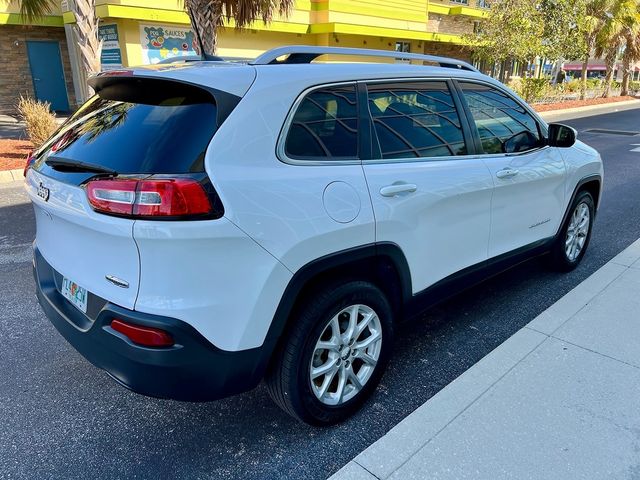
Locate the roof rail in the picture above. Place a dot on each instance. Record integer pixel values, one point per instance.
(191, 58)
(306, 54)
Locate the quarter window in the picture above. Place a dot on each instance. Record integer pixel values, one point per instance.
(325, 126)
(416, 119)
(504, 125)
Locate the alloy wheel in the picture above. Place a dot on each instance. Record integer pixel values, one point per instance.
(346, 354)
(577, 231)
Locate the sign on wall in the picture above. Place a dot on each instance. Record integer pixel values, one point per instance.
(111, 58)
(162, 41)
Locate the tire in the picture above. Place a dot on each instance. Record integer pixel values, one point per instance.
(562, 258)
(289, 379)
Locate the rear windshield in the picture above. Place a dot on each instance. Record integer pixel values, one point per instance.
(140, 126)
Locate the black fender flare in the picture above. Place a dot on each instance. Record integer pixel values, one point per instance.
(306, 274)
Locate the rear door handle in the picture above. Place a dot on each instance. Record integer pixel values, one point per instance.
(507, 173)
(397, 188)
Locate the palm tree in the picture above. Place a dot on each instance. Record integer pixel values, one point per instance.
(207, 15)
(85, 29)
(596, 13)
(611, 37)
(631, 52)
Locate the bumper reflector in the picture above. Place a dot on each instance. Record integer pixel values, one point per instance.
(146, 336)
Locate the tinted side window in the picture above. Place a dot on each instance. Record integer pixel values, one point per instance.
(417, 119)
(498, 118)
(325, 126)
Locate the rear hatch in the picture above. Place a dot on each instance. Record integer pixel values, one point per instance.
(85, 182)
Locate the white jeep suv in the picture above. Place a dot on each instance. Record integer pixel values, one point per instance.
(204, 225)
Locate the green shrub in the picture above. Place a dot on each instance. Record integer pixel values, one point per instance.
(41, 123)
(634, 87)
(573, 86)
(593, 83)
(531, 89)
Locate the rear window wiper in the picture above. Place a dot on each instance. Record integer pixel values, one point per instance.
(75, 166)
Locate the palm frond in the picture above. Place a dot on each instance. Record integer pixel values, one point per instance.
(33, 10)
(208, 15)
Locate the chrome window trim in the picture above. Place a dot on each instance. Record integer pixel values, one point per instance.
(284, 132)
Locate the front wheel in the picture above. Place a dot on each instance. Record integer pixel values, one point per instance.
(335, 354)
(573, 239)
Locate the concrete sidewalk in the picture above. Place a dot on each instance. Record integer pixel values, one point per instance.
(560, 399)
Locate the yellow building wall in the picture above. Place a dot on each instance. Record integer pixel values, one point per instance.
(349, 23)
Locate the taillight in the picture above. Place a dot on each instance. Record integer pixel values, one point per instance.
(171, 198)
(112, 196)
(146, 336)
(28, 163)
(164, 197)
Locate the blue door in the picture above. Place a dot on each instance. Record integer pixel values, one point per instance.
(47, 74)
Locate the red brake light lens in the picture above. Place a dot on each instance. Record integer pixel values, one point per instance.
(28, 163)
(146, 336)
(165, 197)
(174, 197)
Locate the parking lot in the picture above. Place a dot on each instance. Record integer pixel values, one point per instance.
(64, 418)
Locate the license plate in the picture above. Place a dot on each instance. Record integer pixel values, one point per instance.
(75, 294)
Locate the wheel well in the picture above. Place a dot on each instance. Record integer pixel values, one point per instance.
(593, 187)
(379, 270)
(384, 265)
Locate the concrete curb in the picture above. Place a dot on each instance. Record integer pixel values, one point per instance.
(405, 440)
(8, 176)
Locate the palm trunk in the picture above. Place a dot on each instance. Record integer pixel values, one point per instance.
(206, 16)
(583, 79)
(86, 32)
(610, 60)
(626, 74)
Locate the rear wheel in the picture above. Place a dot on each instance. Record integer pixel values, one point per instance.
(335, 354)
(573, 239)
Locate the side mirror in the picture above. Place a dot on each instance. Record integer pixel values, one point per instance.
(561, 136)
(520, 142)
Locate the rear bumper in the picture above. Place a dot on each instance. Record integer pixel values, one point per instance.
(191, 370)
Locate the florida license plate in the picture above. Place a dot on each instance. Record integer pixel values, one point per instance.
(75, 294)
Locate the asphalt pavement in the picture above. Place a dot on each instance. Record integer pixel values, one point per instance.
(62, 417)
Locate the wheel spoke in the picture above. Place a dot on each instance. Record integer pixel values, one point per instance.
(353, 323)
(354, 379)
(342, 382)
(326, 382)
(335, 327)
(324, 368)
(331, 345)
(569, 240)
(367, 342)
(366, 320)
(366, 358)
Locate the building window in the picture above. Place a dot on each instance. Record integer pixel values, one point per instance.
(461, 2)
(482, 3)
(404, 47)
